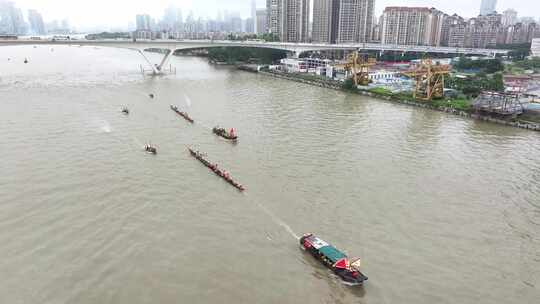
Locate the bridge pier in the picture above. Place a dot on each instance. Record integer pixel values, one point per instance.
(157, 68)
(165, 59)
(154, 68)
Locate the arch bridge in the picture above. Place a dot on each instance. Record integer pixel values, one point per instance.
(171, 46)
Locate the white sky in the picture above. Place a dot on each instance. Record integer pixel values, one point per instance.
(118, 13)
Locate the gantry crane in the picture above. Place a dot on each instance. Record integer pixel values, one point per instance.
(358, 65)
(429, 79)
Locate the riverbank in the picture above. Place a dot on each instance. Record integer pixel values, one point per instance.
(398, 98)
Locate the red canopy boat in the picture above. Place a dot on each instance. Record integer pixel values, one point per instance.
(347, 269)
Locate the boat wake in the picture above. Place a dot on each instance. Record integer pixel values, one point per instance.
(277, 220)
(102, 125)
(106, 129)
(188, 100)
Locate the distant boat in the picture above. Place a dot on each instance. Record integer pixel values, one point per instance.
(183, 114)
(214, 167)
(151, 95)
(231, 135)
(125, 111)
(25, 60)
(150, 149)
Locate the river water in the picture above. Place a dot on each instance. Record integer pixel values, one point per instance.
(440, 208)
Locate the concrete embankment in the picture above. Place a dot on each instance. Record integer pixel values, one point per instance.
(337, 86)
(321, 83)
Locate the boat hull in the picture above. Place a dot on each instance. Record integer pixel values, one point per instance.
(214, 169)
(348, 276)
(184, 115)
(224, 134)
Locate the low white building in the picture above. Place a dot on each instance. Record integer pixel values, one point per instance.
(316, 63)
(535, 47)
(383, 76)
(320, 71)
(292, 65)
(438, 60)
(311, 65)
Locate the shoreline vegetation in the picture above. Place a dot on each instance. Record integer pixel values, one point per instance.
(487, 76)
(459, 106)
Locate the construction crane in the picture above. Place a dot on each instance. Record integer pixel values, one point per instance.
(358, 65)
(429, 79)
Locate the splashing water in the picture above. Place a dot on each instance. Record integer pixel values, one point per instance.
(101, 125)
(106, 127)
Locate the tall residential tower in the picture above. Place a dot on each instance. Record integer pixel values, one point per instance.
(262, 23)
(343, 21)
(289, 19)
(254, 15)
(488, 7)
(412, 26)
(323, 28)
(274, 14)
(37, 27)
(510, 17)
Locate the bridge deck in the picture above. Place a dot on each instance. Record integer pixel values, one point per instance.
(296, 48)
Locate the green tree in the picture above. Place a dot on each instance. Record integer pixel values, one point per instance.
(238, 54)
(487, 66)
(517, 51)
(269, 37)
(349, 85)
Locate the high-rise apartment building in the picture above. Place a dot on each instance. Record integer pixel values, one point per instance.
(435, 27)
(179, 20)
(323, 28)
(289, 19)
(143, 22)
(248, 26)
(457, 34)
(448, 23)
(412, 26)
(510, 17)
(253, 16)
(170, 18)
(343, 21)
(520, 33)
(261, 20)
(488, 7)
(355, 21)
(295, 26)
(37, 27)
(11, 19)
(235, 22)
(481, 32)
(274, 14)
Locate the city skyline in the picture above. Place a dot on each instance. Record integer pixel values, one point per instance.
(117, 14)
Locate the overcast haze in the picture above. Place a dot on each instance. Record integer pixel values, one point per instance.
(117, 13)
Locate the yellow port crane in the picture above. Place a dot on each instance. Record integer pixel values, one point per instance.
(358, 65)
(429, 79)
